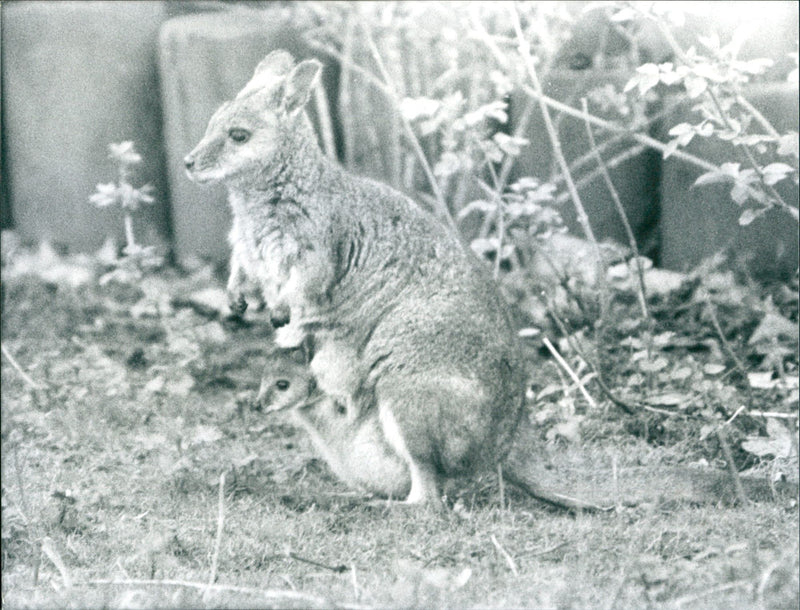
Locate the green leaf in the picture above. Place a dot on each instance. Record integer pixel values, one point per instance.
(748, 216)
(510, 145)
(695, 85)
(789, 144)
(105, 195)
(124, 153)
(775, 172)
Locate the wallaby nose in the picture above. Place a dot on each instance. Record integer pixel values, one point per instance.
(188, 161)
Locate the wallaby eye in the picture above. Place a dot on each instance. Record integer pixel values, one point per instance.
(240, 136)
(341, 409)
(282, 385)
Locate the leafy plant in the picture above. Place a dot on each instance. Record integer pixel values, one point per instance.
(135, 257)
(711, 73)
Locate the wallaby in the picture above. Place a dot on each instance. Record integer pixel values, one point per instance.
(354, 446)
(357, 453)
(398, 307)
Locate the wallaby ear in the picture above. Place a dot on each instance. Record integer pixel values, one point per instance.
(276, 64)
(299, 84)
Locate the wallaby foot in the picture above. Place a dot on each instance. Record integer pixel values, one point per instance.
(424, 478)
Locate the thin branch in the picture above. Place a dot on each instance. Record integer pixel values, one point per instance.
(410, 135)
(325, 123)
(568, 369)
(270, 594)
(524, 50)
(25, 377)
(642, 292)
(583, 219)
(53, 555)
(220, 524)
(626, 154)
(509, 560)
(736, 360)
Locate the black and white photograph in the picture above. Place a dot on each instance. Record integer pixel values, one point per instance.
(399, 304)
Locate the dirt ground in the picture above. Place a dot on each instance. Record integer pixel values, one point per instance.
(131, 400)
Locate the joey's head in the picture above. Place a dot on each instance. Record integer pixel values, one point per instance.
(287, 382)
(249, 133)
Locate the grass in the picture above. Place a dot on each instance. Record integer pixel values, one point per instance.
(110, 487)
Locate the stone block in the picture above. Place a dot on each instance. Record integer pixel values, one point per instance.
(697, 222)
(77, 76)
(635, 179)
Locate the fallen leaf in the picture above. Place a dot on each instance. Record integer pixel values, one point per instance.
(762, 380)
(713, 369)
(773, 326)
(670, 399)
(653, 366)
(778, 442)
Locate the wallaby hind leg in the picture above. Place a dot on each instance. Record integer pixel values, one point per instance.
(425, 487)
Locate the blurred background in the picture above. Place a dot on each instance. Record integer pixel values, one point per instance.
(434, 98)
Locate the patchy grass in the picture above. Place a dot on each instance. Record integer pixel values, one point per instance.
(111, 470)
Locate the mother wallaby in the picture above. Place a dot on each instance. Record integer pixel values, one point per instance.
(397, 307)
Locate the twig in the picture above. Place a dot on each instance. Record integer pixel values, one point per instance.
(220, 524)
(25, 377)
(272, 594)
(550, 549)
(325, 124)
(642, 292)
(613, 162)
(569, 372)
(338, 569)
(509, 560)
(410, 135)
(524, 50)
(625, 406)
(696, 597)
(736, 360)
(52, 555)
(773, 414)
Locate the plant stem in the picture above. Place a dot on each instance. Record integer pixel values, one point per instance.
(129, 237)
(642, 292)
(583, 219)
(389, 89)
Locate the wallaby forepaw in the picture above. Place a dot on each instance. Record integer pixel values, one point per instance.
(289, 336)
(237, 304)
(279, 316)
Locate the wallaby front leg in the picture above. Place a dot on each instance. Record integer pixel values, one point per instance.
(235, 288)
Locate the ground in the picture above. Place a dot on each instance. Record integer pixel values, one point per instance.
(131, 400)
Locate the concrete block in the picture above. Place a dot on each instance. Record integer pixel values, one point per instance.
(698, 222)
(206, 59)
(77, 76)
